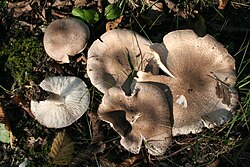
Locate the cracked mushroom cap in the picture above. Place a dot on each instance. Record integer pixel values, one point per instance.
(68, 101)
(203, 93)
(117, 54)
(65, 37)
(143, 115)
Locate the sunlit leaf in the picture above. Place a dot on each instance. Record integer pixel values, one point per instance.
(112, 12)
(88, 15)
(4, 134)
(62, 149)
(113, 24)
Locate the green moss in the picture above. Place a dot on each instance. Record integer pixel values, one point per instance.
(22, 56)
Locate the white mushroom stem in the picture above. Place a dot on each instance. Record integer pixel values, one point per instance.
(161, 65)
(58, 99)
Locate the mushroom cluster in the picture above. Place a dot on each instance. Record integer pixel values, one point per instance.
(67, 98)
(152, 91)
(142, 103)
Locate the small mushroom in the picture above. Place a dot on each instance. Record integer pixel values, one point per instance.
(143, 115)
(68, 100)
(65, 37)
(117, 54)
(203, 93)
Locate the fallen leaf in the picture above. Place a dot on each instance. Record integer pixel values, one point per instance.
(61, 3)
(113, 24)
(62, 149)
(222, 4)
(130, 161)
(87, 153)
(2, 115)
(25, 24)
(214, 163)
(4, 119)
(100, 6)
(80, 3)
(19, 8)
(97, 133)
(60, 15)
(82, 59)
(19, 100)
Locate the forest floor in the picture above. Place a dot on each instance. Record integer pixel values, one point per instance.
(89, 141)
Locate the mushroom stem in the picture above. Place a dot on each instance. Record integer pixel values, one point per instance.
(58, 99)
(161, 65)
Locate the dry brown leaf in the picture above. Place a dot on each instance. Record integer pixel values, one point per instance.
(100, 6)
(97, 133)
(222, 4)
(54, 13)
(61, 3)
(25, 24)
(87, 153)
(62, 148)
(82, 59)
(4, 119)
(19, 100)
(130, 161)
(18, 4)
(20, 7)
(171, 5)
(13, 140)
(80, 3)
(2, 115)
(113, 24)
(214, 163)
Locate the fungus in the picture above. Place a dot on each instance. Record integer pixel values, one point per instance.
(117, 54)
(68, 100)
(143, 115)
(203, 93)
(65, 37)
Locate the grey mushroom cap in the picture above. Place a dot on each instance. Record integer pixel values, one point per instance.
(69, 101)
(203, 93)
(116, 55)
(65, 37)
(143, 115)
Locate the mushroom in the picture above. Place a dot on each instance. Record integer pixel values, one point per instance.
(65, 37)
(116, 55)
(203, 93)
(143, 115)
(68, 100)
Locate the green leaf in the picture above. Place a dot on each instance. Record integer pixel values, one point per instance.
(88, 15)
(4, 134)
(112, 12)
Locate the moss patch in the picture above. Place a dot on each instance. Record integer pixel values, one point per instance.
(23, 55)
